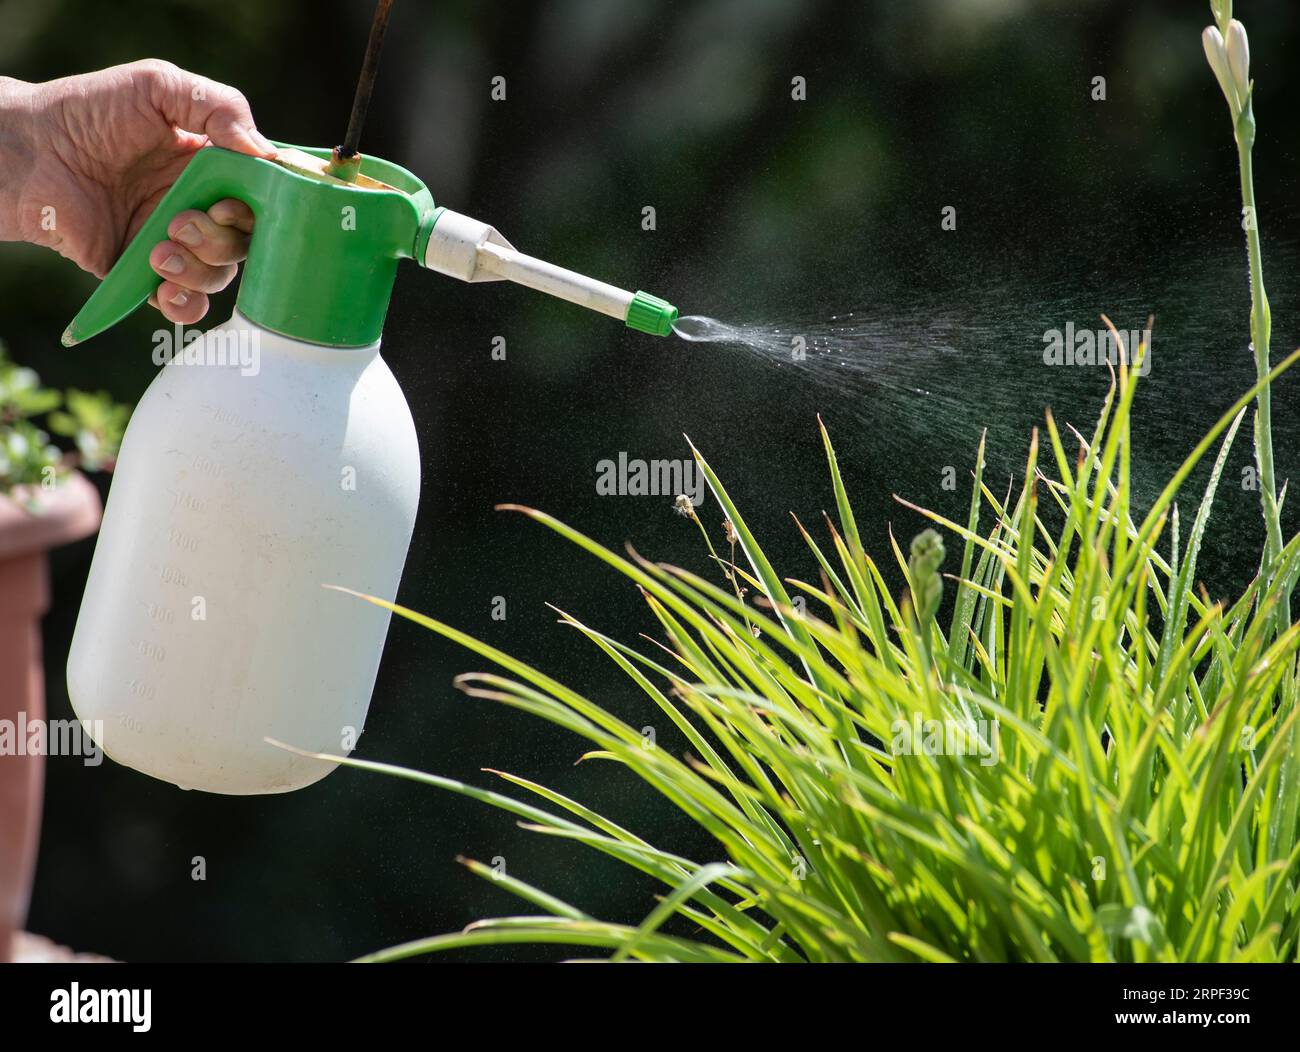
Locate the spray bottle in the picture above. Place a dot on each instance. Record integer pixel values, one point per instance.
(286, 461)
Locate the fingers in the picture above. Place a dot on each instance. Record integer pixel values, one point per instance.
(217, 238)
(232, 213)
(205, 107)
(175, 263)
(199, 257)
(178, 304)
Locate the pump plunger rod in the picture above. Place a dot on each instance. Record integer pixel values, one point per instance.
(346, 160)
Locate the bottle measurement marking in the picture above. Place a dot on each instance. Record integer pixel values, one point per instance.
(207, 466)
(148, 648)
(157, 612)
(183, 541)
(187, 500)
(239, 424)
(224, 416)
(171, 575)
(142, 689)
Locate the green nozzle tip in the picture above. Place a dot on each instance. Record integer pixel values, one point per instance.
(650, 314)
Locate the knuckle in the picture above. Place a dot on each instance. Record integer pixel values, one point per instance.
(182, 219)
(231, 215)
(213, 255)
(231, 102)
(156, 69)
(210, 278)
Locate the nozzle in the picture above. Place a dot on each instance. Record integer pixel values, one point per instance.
(650, 314)
(465, 248)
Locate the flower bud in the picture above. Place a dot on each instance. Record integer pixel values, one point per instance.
(923, 569)
(1238, 49)
(1217, 56)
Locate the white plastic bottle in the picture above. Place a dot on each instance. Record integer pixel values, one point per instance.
(240, 492)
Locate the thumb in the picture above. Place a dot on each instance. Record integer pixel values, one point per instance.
(206, 107)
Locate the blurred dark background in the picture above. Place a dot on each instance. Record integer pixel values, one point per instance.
(769, 211)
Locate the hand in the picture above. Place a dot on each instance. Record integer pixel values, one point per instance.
(97, 152)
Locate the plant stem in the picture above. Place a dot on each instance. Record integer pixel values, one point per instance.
(1260, 333)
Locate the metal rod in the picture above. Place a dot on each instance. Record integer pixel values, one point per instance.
(365, 85)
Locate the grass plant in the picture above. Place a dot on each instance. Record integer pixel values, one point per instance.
(1086, 759)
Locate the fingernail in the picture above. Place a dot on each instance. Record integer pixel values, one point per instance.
(173, 264)
(189, 235)
(180, 299)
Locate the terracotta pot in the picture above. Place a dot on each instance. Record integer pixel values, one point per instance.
(61, 515)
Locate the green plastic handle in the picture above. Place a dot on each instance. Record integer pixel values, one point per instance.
(212, 175)
(322, 258)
